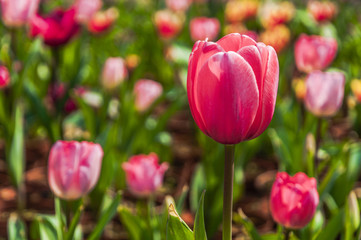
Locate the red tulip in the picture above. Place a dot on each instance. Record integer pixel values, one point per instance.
(143, 174)
(85, 9)
(114, 72)
(146, 92)
(203, 28)
(57, 28)
(232, 87)
(103, 20)
(322, 11)
(4, 77)
(178, 5)
(74, 168)
(324, 92)
(16, 13)
(168, 23)
(314, 52)
(293, 200)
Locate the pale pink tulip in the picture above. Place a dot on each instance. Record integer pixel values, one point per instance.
(16, 13)
(146, 92)
(203, 28)
(114, 72)
(85, 9)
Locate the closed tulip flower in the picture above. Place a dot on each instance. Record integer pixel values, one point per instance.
(4, 77)
(144, 175)
(16, 13)
(103, 20)
(168, 23)
(114, 72)
(232, 87)
(203, 28)
(324, 92)
(74, 168)
(293, 200)
(146, 92)
(57, 28)
(85, 9)
(314, 52)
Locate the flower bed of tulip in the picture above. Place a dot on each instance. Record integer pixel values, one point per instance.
(180, 119)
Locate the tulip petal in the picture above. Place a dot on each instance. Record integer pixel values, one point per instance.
(235, 41)
(226, 95)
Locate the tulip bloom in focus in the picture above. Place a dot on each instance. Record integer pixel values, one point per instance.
(85, 9)
(103, 20)
(143, 174)
(146, 92)
(273, 14)
(324, 92)
(202, 28)
(4, 77)
(114, 72)
(232, 87)
(168, 23)
(74, 168)
(178, 5)
(293, 200)
(314, 52)
(322, 11)
(16, 13)
(57, 28)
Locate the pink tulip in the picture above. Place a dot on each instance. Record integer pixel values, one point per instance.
(143, 174)
(85, 9)
(168, 23)
(314, 52)
(293, 200)
(103, 20)
(322, 11)
(232, 87)
(146, 92)
(16, 13)
(324, 92)
(57, 28)
(203, 28)
(74, 168)
(4, 77)
(178, 5)
(114, 72)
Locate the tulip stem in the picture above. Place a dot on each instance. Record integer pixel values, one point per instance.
(318, 143)
(287, 234)
(228, 191)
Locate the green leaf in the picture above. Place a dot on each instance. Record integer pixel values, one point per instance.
(16, 228)
(47, 227)
(105, 218)
(199, 230)
(74, 223)
(177, 229)
(16, 155)
(248, 225)
(333, 227)
(135, 225)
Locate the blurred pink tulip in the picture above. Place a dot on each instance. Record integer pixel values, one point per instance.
(322, 11)
(114, 72)
(4, 77)
(57, 28)
(16, 13)
(178, 5)
(324, 92)
(168, 23)
(85, 9)
(203, 28)
(293, 200)
(103, 20)
(143, 174)
(314, 52)
(232, 87)
(146, 92)
(74, 168)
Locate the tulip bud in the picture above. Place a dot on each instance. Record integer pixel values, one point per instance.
(293, 200)
(232, 87)
(273, 14)
(178, 5)
(322, 11)
(143, 174)
(356, 89)
(114, 73)
(237, 11)
(168, 23)
(85, 9)
(324, 92)
(103, 20)
(146, 92)
(74, 168)
(4, 77)
(314, 52)
(16, 13)
(56, 29)
(278, 37)
(203, 28)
